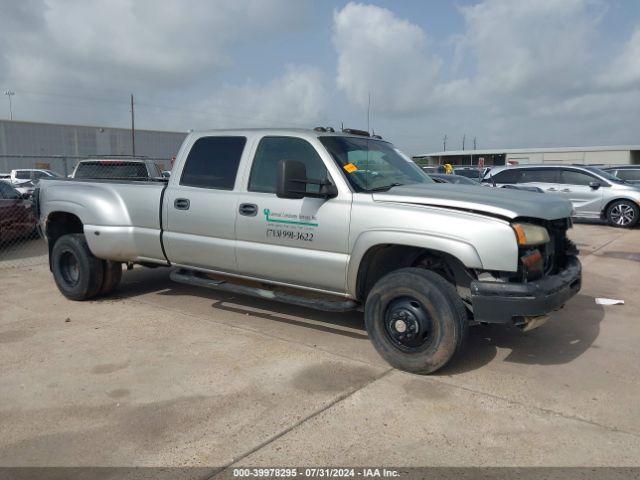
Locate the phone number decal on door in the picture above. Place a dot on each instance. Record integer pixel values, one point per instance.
(289, 234)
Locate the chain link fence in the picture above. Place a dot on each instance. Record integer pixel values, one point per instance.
(21, 242)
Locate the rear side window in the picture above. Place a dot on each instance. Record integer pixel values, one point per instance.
(574, 177)
(542, 175)
(111, 170)
(23, 174)
(271, 150)
(629, 174)
(508, 176)
(213, 162)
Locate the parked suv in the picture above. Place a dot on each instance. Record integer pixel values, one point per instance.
(593, 192)
(628, 173)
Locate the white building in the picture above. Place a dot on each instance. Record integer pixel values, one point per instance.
(59, 147)
(613, 155)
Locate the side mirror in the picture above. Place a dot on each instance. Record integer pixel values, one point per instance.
(293, 181)
(595, 185)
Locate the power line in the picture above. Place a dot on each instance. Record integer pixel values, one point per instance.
(120, 102)
(182, 112)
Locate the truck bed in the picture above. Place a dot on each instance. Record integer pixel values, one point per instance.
(121, 218)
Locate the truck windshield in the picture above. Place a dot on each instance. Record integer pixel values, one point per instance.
(373, 165)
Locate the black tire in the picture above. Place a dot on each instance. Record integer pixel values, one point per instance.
(431, 311)
(623, 214)
(78, 274)
(112, 274)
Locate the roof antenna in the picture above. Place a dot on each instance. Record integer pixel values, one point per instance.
(368, 110)
(342, 126)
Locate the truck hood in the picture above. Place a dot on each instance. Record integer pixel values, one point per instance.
(499, 202)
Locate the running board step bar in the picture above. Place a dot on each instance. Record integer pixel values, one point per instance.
(317, 303)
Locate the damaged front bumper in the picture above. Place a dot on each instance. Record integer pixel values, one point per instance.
(497, 302)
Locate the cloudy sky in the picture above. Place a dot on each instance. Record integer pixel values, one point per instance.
(512, 73)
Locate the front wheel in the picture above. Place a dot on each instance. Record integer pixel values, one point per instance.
(415, 320)
(78, 274)
(623, 214)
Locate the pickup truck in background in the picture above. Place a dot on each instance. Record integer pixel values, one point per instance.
(117, 169)
(328, 220)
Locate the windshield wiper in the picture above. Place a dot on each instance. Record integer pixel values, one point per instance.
(385, 187)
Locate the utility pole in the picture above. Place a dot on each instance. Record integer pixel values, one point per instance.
(133, 129)
(10, 93)
(444, 143)
(464, 137)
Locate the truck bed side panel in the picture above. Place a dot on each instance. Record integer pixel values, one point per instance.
(121, 219)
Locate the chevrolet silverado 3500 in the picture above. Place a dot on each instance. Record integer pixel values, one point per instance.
(328, 220)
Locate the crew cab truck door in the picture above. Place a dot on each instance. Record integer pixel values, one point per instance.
(201, 204)
(297, 241)
(576, 187)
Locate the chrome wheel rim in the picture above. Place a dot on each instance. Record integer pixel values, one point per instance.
(622, 214)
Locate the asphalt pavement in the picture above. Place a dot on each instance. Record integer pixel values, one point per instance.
(166, 374)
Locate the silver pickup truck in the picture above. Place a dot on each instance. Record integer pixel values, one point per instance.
(327, 220)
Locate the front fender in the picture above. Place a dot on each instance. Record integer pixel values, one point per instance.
(462, 250)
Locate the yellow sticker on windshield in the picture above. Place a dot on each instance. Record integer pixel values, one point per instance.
(350, 168)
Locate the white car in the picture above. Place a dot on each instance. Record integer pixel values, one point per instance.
(22, 175)
(24, 180)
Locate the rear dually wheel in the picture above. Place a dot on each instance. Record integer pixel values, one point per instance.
(77, 272)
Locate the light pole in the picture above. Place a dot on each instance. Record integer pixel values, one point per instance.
(10, 93)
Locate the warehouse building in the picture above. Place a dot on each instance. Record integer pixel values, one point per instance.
(613, 155)
(59, 147)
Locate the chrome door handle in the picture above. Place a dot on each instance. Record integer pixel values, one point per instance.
(181, 204)
(565, 190)
(248, 209)
(551, 189)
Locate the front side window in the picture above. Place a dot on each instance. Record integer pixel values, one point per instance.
(574, 177)
(541, 175)
(264, 172)
(373, 165)
(213, 162)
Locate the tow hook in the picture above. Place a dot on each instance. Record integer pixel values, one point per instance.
(529, 323)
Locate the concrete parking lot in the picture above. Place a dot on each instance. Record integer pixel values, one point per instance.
(165, 374)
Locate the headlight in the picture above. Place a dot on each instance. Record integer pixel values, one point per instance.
(529, 234)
